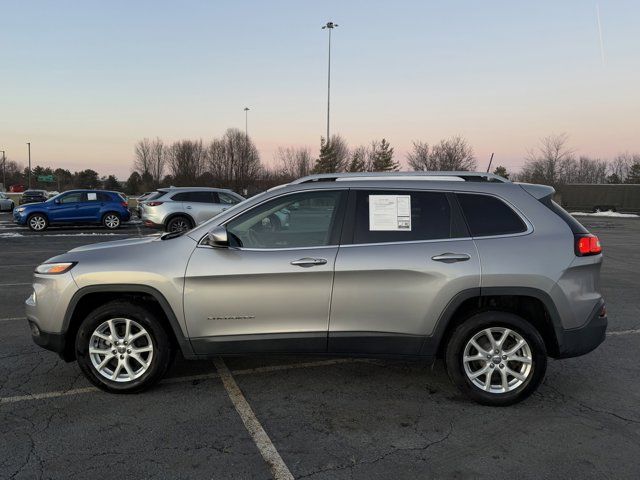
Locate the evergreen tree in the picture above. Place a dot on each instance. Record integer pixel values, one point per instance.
(501, 171)
(332, 156)
(382, 157)
(111, 183)
(614, 179)
(358, 161)
(634, 173)
(134, 184)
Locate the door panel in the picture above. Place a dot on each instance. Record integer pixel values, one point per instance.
(388, 293)
(67, 209)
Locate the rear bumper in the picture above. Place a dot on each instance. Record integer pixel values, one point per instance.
(582, 340)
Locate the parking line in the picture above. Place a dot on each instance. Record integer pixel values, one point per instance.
(185, 379)
(267, 449)
(12, 319)
(623, 332)
(14, 284)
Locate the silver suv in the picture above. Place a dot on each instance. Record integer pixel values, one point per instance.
(493, 276)
(177, 209)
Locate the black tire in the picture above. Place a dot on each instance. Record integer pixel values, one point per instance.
(163, 352)
(176, 223)
(37, 222)
(111, 221)
(493, 319)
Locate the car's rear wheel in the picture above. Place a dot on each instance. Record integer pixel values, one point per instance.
(178, 224)
(123, 348)
(111, 221)
(37, 222)
(496, 358)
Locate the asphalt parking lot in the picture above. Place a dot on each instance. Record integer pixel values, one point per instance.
(322, 418)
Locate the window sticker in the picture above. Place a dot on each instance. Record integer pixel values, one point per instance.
(390, 213)
(92, 196)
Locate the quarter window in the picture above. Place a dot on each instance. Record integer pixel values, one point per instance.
(487, 216)
(430, 217)
(299, 220)
(198, 197)
(227, 199)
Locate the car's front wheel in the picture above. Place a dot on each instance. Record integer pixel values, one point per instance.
(111, 221)
(37, 222)
(123, 348)
(496, 358)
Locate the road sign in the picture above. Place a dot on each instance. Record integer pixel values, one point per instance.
(46, 178)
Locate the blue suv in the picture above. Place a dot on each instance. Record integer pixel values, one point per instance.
(75, 207)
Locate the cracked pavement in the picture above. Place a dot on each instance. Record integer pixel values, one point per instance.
(349, 420)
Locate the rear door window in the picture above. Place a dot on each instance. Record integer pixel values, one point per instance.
(198, 197)
(488, 216)
(401, 216)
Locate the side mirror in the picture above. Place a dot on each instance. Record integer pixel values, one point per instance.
(217, 237)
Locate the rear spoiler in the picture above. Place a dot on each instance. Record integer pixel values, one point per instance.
(538, 191)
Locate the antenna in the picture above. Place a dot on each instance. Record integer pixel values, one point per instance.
(490, 160)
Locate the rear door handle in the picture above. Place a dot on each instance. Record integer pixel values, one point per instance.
(451, 257)
(309, 262)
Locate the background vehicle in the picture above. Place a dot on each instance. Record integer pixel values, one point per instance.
(33, 196)
(141, 198)
(17, 188)
(597, 197)
(6, 204)
(181, 208)
(373, 265)
(75, 207)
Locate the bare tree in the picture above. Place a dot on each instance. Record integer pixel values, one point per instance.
(550, 163)
(234, 160)
(453, 154)
(620, 166)
(420, 158)
(293, 162)
(186, 159)
(158, 156)
(143, 162)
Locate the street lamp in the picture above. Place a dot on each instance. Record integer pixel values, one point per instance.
(4, 176)
(246, 122)
(329, 26)
(29, 146)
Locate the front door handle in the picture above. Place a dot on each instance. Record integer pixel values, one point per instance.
(188, 207)
(451, 257)
(309, 262)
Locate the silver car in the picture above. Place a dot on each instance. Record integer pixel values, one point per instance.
(6, 204)
(177, 209)
(490, 275)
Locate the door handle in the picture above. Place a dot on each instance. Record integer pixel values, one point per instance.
(188, 207)
(309, 262)
(451, 257)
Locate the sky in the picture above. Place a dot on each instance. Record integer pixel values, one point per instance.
(84, 80)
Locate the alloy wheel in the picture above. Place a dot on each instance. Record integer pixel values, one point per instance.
(497, 360)
(37, 223)
(179, 225)
(121, 350)
(112, 221)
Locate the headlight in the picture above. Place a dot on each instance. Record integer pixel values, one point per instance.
(54, 268)
(20, 209)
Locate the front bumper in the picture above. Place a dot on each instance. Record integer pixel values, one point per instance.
(582, 340)
(19, 218)
(51, 341)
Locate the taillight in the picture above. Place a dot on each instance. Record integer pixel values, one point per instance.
(153, 204)
(125, 204)
(587, 245)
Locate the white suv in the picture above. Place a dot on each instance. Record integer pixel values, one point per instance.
(177, 209)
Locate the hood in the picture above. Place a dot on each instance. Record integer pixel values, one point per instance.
(117, 243)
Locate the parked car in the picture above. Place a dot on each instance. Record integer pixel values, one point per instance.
(75, 207)
(177, 209)
(375, 265)
(17, 188)
(142, 197)
(33, 196)
(6, 204)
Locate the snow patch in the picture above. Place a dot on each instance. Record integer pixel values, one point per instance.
(608, 213)
(10, 235)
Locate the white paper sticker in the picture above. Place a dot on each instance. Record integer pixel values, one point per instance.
(390, 213)
(92, 196)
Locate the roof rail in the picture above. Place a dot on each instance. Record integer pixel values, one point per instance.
(441, 176)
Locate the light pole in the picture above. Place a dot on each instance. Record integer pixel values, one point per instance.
(329, 26)
(29, 146)
(246, 123)
(4, 176)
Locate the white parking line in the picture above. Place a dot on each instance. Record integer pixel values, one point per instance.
(11, 319)
(623, 332)
(267, 449)
(14, 284)
(185, 379)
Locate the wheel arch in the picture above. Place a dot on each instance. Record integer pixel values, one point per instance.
(89, 298)
(532, 304)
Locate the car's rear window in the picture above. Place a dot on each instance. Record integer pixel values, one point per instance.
(488, 216)
(430, 217)
(155, 195)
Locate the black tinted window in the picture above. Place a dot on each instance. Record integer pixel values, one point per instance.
(200, 197)
(487, 215)
(430, 218)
